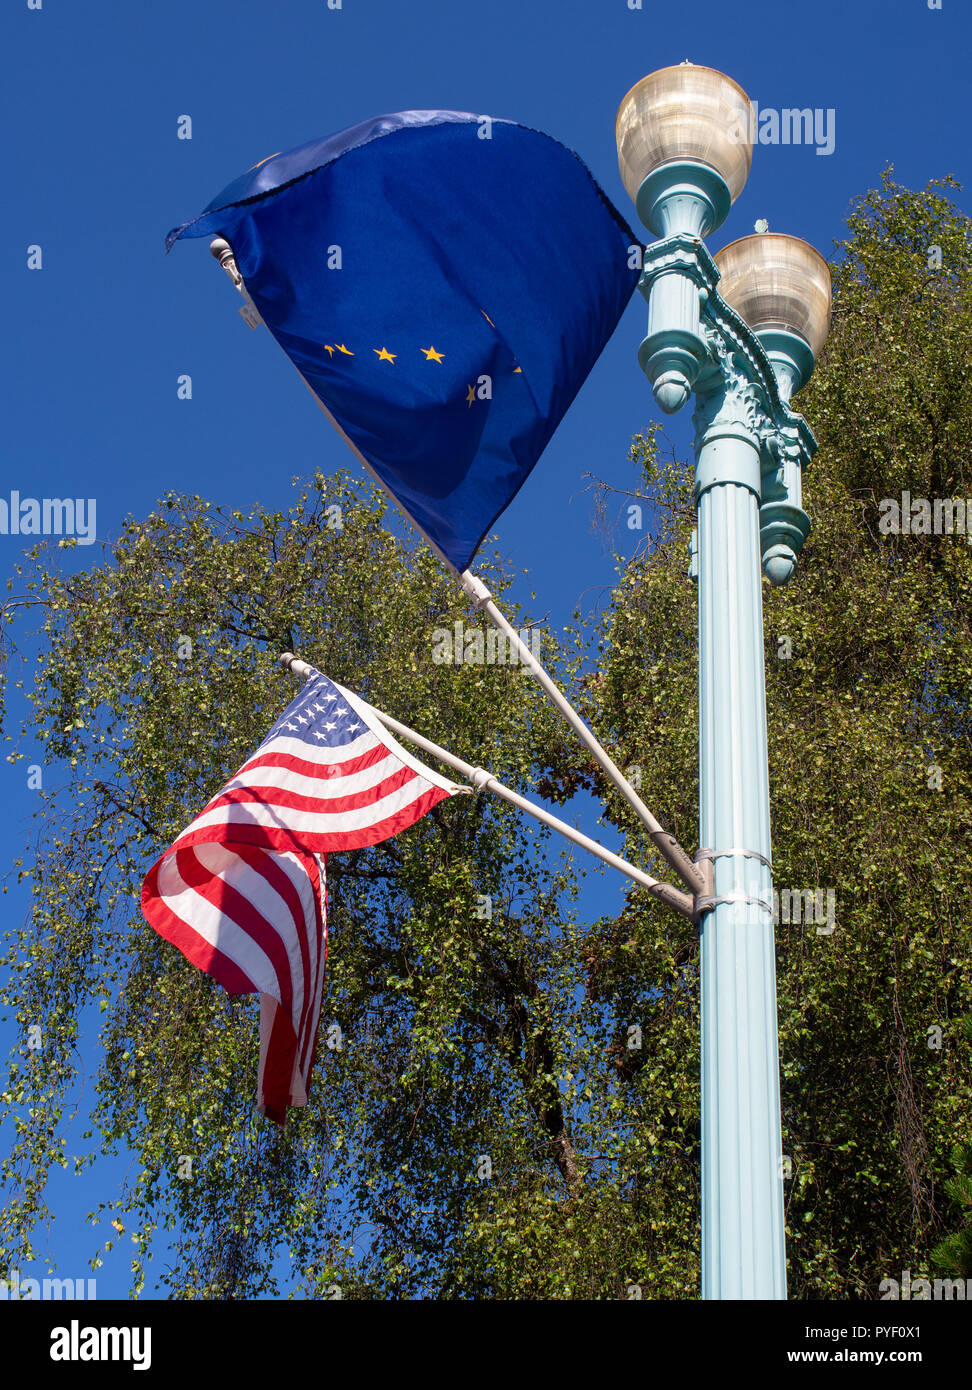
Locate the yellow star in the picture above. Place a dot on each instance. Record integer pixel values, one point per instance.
(431, 355)
(470, 394)
(328, 349)
(384, 355)
(347, 351)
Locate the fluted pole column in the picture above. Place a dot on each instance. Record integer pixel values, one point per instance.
(743, 1250)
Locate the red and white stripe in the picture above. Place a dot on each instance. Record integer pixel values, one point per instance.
(242, 894)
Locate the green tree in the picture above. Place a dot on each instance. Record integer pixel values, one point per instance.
(954, 1253)
(450, 973)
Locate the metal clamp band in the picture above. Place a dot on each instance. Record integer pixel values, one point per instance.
(475, 589)
(726, 853)
(703, 904)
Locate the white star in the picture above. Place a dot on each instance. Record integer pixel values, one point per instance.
(329, 698)
(342, 710)
(330, 726)
(318, 734)
(302, 720)
(290, 725)
(352, 727)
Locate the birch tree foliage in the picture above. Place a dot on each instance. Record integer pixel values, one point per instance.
(451, 971)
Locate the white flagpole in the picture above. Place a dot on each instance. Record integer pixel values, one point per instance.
(666, 843)
(689, 873)
(482, 780)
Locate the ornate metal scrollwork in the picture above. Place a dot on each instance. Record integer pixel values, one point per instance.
(698, 343)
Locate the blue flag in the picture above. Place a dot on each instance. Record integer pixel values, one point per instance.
(444, 282)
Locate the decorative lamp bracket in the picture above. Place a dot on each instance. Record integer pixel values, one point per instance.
(698, 343)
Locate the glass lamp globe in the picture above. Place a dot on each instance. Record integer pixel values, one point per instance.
(684, 147)
(781, 286)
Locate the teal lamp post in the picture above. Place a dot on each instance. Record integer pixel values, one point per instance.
(684, 152)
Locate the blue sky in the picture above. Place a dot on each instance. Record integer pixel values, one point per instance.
(95, 175)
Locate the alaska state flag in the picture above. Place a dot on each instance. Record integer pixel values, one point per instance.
(444, 282)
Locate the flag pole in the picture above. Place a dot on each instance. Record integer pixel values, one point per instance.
(694, 877)
(666, 843)
(482, 780)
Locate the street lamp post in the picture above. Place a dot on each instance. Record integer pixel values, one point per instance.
(684, 152)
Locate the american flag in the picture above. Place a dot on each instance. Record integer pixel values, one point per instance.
(242, 891)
